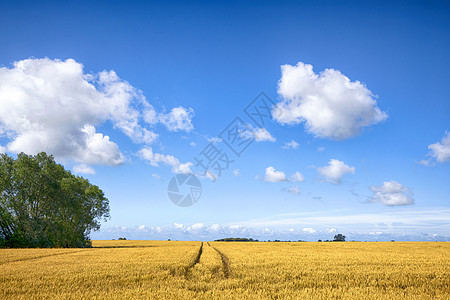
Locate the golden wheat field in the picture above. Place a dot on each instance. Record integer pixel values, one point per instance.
(228, 270)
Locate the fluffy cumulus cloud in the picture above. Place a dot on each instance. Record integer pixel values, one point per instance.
(262, 135)
(392, 193)
(274, 176)
(236, 173)
(329, 103)
(52, 105)
(441, 150)
(2, 149)
(290, 145)
(335, 170)
(155, 159)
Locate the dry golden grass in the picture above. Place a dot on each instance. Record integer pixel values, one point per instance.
(233, 270)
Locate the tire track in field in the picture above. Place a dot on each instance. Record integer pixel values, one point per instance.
(38, 257)
(186, 271)
(197, 259)
(225, 262)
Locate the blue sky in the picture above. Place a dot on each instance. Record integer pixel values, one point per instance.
(134, 91)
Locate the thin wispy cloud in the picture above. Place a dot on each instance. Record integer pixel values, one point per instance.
(83, 169)
(290, 145)
(178, 119)
(155, 159)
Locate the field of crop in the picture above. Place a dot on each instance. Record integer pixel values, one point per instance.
(228, 270)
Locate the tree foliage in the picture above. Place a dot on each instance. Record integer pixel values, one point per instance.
(236, 240)
(339, 238)
(44, 205)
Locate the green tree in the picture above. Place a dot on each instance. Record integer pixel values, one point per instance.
(44, 205)
(339, 238)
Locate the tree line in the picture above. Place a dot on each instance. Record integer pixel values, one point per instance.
(337, 238)
(44, 205)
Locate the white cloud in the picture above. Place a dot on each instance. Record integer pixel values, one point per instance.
(290, 145)
(236, 173)
(426, 162)
(156, 176)
(214, 140)
(294, 190)
(236, 229)
(235, 226)
(183, 168)
(150, 116)
(329, 103)
(83, 169)
(178, 119)
(214, 227)
(309, 230)
(320, 149)
(155, 159)
(274, 176)
(51, 105)
(196, 227)
(278, 176)
(335, 170)
(403, 220)
(193, 144)
(441, 150)
(99, 149)
(203, 229)
(179, 226)
(330, 230)
(262, 135)
(247, 131)
(210, 175)
(2, 149)
(267, 231)
(392, 193)
(297, 177)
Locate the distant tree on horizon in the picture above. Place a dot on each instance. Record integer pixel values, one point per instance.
(236, 240)
(339, 238)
